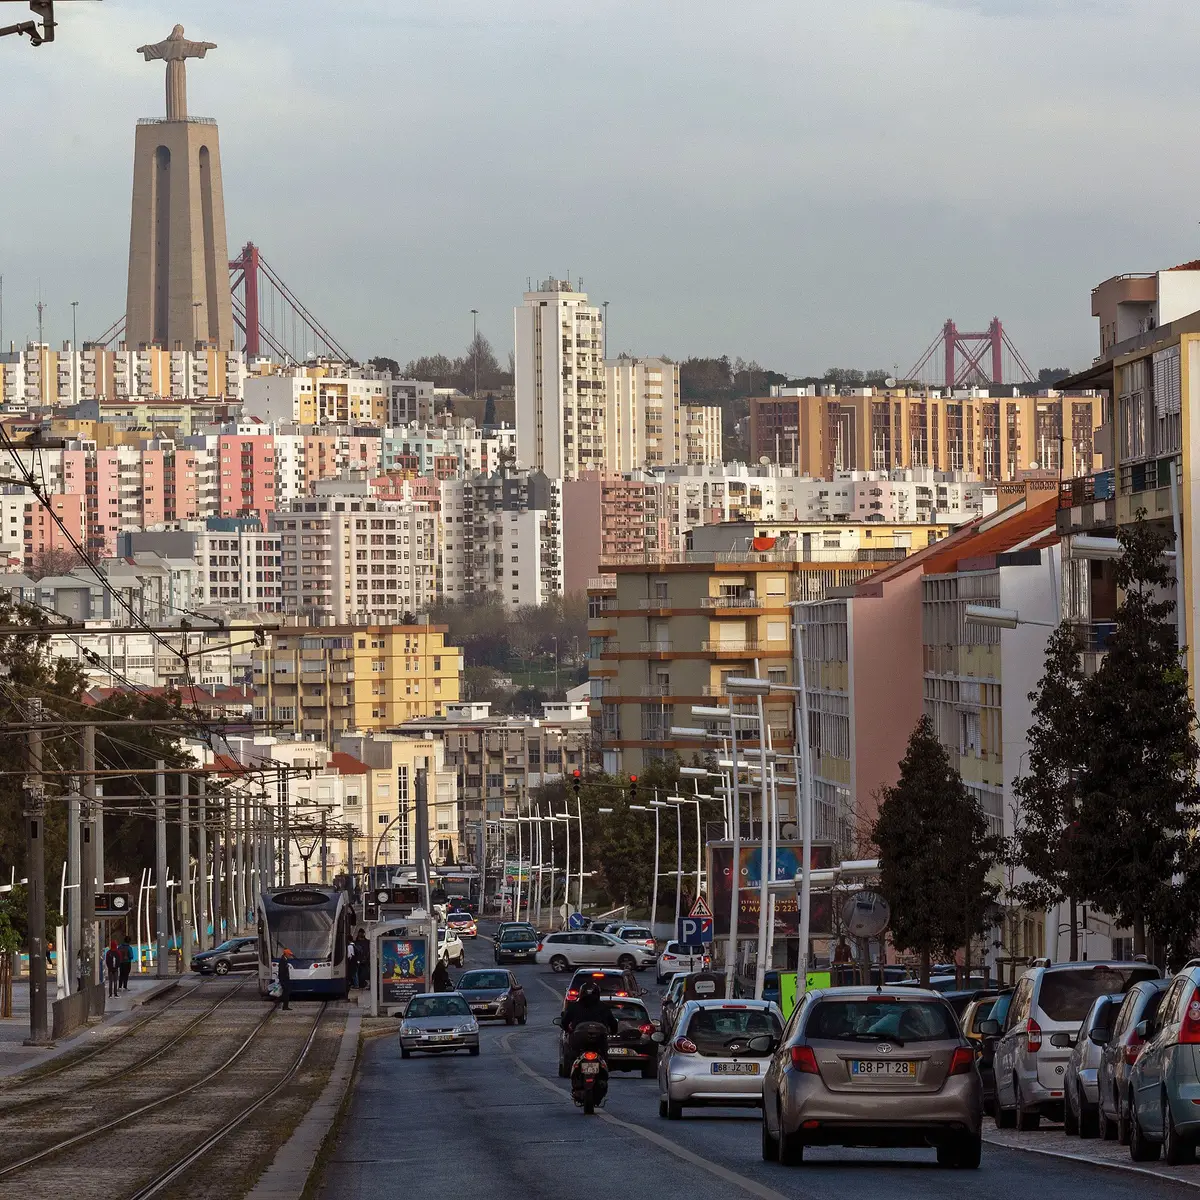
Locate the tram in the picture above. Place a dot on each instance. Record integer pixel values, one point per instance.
(313, 921)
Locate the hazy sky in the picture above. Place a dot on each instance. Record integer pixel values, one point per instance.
(799, 182)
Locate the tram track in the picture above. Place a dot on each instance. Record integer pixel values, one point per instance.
(67, 1164)
(42, 1097)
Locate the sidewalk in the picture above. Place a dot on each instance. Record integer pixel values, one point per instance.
(15, 1056)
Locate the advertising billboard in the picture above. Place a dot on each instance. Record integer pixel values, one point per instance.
(788, 857)
(403, 969)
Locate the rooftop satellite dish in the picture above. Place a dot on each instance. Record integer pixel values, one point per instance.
(889, 382)
(865, 914)
(788, 831)
(765, 460)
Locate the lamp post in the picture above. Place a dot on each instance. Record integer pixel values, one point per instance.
(678, 807)
(654, 889)
(475, 349)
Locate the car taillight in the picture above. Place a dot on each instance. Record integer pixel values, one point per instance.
(590, 1055)
(685, 1045)
(1189, 1029)
(803, 1059)
(645, 1028)
(572, 994)
(1133, 1048)
(539, 947)
(962, 1061)
(1033, 1035)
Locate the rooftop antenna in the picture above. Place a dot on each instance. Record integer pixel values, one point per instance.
(41, 308)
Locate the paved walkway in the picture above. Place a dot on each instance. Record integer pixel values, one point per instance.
(15, 1056)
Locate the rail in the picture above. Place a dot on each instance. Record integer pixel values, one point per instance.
(1084, 489)
(790, 554)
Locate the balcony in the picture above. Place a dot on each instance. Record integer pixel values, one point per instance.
(655, 603)
(747, 645)
(655, 689)
(736, 603)
(658, 646)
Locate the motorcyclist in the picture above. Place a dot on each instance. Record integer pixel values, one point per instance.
(588, 1009)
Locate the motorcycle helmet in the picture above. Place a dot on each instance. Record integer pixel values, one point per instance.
(589, 993)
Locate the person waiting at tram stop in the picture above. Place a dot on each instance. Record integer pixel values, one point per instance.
(285, 978)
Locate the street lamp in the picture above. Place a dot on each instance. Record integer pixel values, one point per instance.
(475, 349)
(654, 890)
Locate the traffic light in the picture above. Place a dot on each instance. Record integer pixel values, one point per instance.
(633, 789)
(112, 904)
(577, 775)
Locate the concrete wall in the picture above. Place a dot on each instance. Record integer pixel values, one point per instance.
(581, 532)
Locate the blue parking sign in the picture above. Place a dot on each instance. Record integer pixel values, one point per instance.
(695, 931)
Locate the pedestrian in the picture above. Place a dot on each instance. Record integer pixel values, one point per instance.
(362, 958)
(285, 978)
(125, 950)
(112, 962)
(441, 977)
(351, 965)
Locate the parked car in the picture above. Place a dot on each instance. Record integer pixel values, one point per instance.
(1039, 1034)
(516, 943)
(568, 949)
(716, 1055)
(612, 981)
(492, 993)
(975, 1014)
(631, 1048)
(1081, 1112)
(638, 934)
(1119, 1054)
(858, 1066)
(236, 954)
(463, 924)
(679, 957)
(1164, 1084)
(671, 1001)
(436, 1022)
(450, 947)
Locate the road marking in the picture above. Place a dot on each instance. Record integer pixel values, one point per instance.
(1161, 1174)
(664, 1143)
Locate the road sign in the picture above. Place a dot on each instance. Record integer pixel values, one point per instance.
(695, 931)
(576, 921)
(700, 908)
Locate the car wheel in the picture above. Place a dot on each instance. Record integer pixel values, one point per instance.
(473, 1051)
(662, 1107)
(1070, 1116)
(1140, 1150)
(649, 1070)
(510, 1019)
(627, 962)
(962, 1154)
(405, 1053)
(1123, 1123)
(1177, 1149)
(1006, 1118)
(791, 1148)
(221, 966)
(1028, 1119)
(523, 1017)
(674, 1110)
(659, 980)
(558, 964)
(770, 1143)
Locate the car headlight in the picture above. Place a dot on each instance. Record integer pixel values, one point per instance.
(502, 997)
(469, 1027)
(407, 1030)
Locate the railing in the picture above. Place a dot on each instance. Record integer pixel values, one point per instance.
(189, 120)
(655, 689)
(1086, 488)
(1095, 635)
(658, 646)
(732, 602)
(730, 647)
(607, 583)
(791, 554)
(655, 602)
(1147, 476)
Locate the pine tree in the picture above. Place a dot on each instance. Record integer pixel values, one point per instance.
(1138, 788)
(1046, 845)
(935, 853)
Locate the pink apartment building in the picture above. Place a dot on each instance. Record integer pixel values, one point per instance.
(246, 475)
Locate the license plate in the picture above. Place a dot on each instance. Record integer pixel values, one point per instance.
(735, 1068)
(871, 1068)
(589, 1068)
(439, 1037)
(619, 1050)
(481, 1008)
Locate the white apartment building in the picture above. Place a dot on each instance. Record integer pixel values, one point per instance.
(239, 567)
(502, 534)
(347, 557)
(641, 414)
(410, 400)
(559, 378)
(429, 450)
(317, 396)
(701, 442)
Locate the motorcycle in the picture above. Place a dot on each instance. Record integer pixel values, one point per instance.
(589, 1072)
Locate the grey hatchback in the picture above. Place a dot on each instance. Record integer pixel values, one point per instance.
(1081, 1111)
(1120, 1052)
(858, 1066)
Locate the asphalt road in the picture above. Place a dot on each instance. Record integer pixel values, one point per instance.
(502, 1127)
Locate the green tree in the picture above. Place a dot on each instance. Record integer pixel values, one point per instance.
(382, 363)
(1046, 845)
(1138, 789)
(935, 853)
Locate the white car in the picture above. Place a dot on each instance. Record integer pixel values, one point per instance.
(585, 948)
(450, 948)
(679, 959)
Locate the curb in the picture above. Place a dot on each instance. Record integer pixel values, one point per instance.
(289, 1172)
(1129, 1167)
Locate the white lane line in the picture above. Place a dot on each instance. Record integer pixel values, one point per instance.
(664, 1143)
(1161, 1174)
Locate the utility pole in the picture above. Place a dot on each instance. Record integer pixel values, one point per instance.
(87, 872)
(230, 898)
(160, 867)
(35, 869)
(324, 848)
(422, 832)
(71, 950)
(202, 859)
(218, 892)
(185, 877)
(285, 830)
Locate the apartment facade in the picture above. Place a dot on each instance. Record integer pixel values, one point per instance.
(319, 396)
(701, 434)
(642, 418)
(326, 680)
(559, 380)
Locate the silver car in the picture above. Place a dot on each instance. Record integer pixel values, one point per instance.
(858, 1066)
(585, 948)
(1164, 1084)
(1119, 1054)
(717, 1054)
(1081, 1110)
(437, 1022)
(1039, 1034)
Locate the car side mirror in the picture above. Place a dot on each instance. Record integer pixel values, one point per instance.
(989, 1028)
(1100, 1037)
(557, 1021)
(1144, 1029)
(656, 1036)
(764, 1044)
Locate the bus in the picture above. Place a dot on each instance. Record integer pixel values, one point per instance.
(313, 921)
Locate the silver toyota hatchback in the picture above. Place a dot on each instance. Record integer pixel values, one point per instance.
(861, 1066)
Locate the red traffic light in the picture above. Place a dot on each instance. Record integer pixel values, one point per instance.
(577, 773)
(633, 779)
